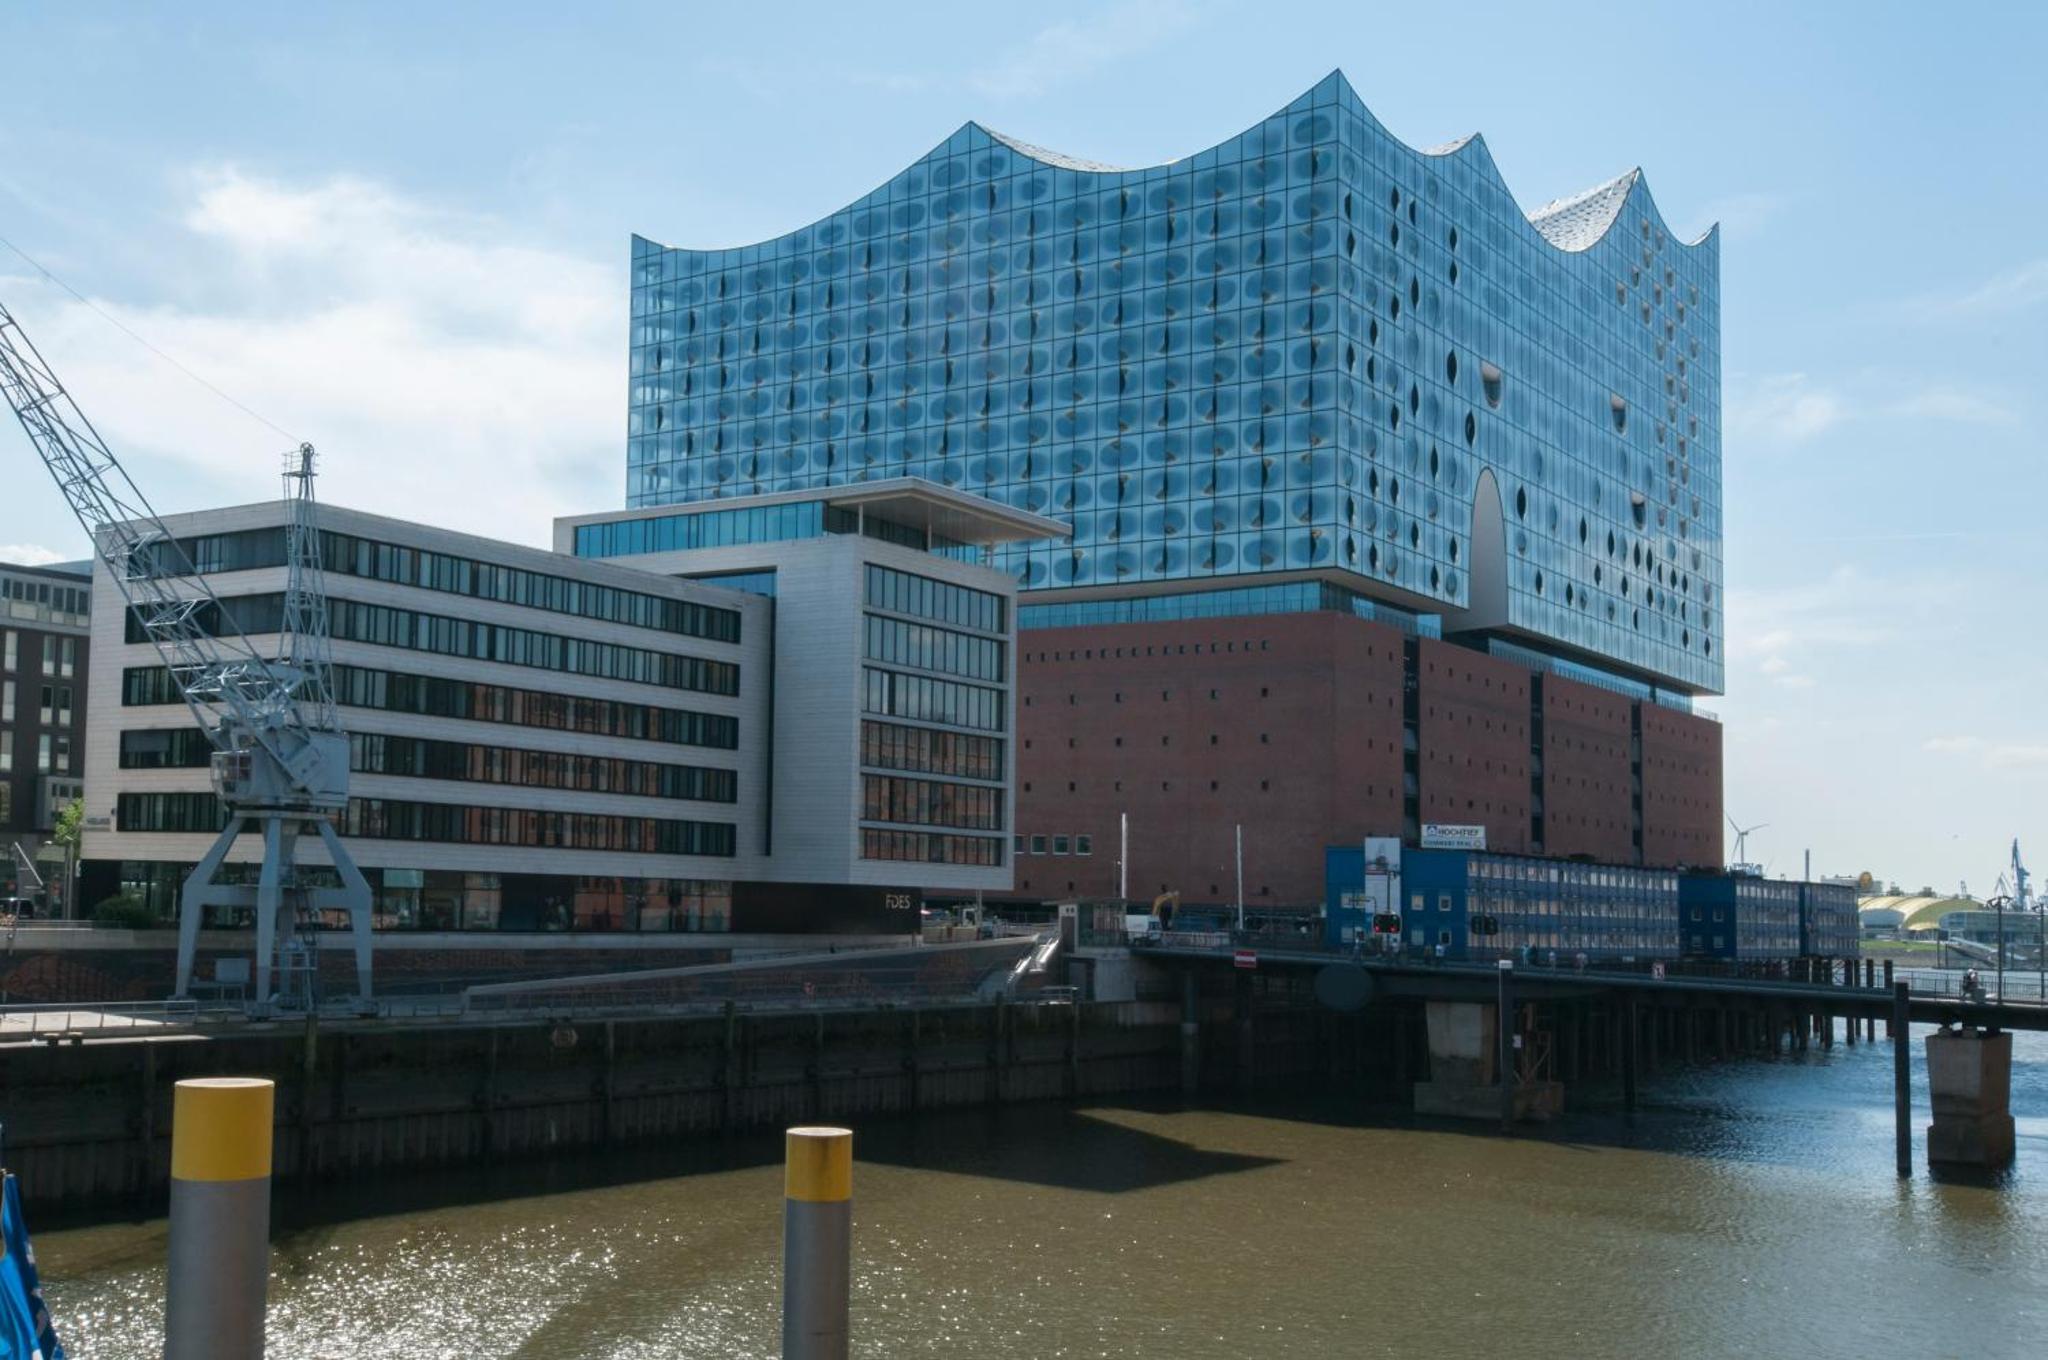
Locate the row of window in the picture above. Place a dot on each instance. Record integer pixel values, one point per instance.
(755, 524)
(927, 802)
(55, 709)
(421, 758)
(60, 654)
(920, 749)
(703, 529)
(940, 701)
(45, 600)
(934, 649)
(1055, 845)
(926, 847)
(416, 757)
(901, 592)
(53, 754)
(435, 696)
(455, 899)
(348, 555)
(1298, 597)
(414, 630)
(390, 819)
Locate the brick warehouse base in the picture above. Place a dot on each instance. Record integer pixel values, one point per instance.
(1295, 726)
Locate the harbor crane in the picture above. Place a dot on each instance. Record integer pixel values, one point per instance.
(280, 758)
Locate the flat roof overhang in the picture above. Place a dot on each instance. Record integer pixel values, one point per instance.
(912, 502)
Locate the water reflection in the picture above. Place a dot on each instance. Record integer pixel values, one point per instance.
(1748, 1209)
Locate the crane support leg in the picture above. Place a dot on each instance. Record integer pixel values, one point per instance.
(194, 900)
(355, 896)
(268, 899)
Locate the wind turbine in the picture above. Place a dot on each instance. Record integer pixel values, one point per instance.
(1742, 840)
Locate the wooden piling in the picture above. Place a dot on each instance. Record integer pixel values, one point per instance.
(1902, 1076)
(1628, 1057)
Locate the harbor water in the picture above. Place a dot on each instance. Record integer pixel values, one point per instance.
(1748, 1209)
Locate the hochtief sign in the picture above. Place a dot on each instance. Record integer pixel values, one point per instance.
(1448, 836)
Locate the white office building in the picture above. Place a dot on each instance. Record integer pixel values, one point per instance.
(542, 741)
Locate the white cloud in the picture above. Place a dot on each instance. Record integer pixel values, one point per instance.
(1995, 755)
(1781, 408)
(1945, 402)
(28, 554)
(1845, 608)
(2013, 291)
(446, 372)
(1061, 52)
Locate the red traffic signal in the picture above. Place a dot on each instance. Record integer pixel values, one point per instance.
(1386, 923)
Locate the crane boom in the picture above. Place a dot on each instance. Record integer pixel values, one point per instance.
(280, 759)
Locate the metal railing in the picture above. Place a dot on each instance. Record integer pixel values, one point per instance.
(104, 1019)
(2019, 986)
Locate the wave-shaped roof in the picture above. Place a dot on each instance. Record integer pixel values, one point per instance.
(1572, 224)
(1053, 158)
(1577, 222)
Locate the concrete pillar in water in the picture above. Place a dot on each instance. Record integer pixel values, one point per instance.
(1969, 1077)
(817, 1243)
(1465, 1069)
(220, 1218)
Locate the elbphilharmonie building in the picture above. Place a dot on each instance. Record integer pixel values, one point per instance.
(1309, 391)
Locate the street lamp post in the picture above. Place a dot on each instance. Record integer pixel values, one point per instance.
(1998, 903)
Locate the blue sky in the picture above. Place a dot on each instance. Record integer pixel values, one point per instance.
(401, 231)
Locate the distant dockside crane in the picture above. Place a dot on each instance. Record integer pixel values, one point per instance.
(280, 758)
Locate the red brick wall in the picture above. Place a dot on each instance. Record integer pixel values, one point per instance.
(1291, 725)
(1586, 780)
(1474, 734)
(1682, 817)
(1288, 724)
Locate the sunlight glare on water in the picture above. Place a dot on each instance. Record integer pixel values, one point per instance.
(1749, 1210)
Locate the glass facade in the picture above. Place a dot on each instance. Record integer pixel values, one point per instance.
(188, 748)
(416, 630)
(1311, 346)
(1601, 910)
(1294, 597)
(397, 692)
(369, 559)
(754, 524)
(453, 899)
(392, 819)
(940, 633)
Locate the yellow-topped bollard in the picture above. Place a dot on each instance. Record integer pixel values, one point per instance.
(220, 1218)
(817, 1242)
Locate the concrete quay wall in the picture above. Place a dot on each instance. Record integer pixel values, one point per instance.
(88, 1126)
